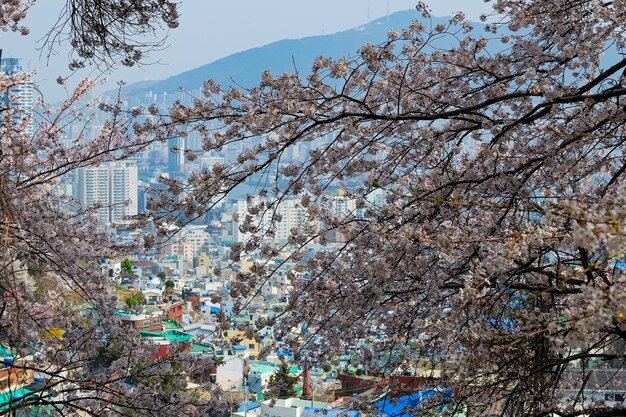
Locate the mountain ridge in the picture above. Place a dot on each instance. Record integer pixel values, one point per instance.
(244, 68)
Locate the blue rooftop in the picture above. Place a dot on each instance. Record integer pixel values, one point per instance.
(329, 412)
(405, 406)
(250, 406)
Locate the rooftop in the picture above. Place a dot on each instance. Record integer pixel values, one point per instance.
(261, 367)
(171, 324)
(250, 405)
(173, 336)
(9, 398)
(329, 412)
(5, 351)
(201, 348)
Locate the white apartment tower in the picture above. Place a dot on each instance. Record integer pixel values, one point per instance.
(294, 217)
(240, 210)
(123, 190)
(113, 186)
(92, 187)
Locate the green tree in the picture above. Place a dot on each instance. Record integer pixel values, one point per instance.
(282, 384)
(135, 300)
(127, 266)
(162, 275)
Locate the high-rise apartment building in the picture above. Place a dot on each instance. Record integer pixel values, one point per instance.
(176, 156)
(92, 188)
(113, 186)
(124, 190)
(18, 97)
(240, 211)
(294, 218)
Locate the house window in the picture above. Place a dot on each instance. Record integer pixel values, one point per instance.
(146, 323)
(251, 346)
(614, 396)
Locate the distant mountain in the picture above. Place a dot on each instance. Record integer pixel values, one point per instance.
(244, 68)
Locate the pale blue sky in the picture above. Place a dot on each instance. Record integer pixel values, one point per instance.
(212, 29)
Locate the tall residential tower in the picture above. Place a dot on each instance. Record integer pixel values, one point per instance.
(113, 186)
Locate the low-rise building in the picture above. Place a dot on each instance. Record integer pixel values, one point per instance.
(175, 311)
(240, 337)
(150, 322)
(234, 365)
(166, 340)
(289, 407)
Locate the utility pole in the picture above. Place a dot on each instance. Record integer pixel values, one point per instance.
(245, 396)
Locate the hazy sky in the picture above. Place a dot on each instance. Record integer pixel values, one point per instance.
(212, 29)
